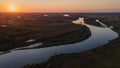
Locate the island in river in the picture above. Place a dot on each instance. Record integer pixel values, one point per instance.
(23, 30)
(106, 56)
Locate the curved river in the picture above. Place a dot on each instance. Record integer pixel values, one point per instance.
(18, 58)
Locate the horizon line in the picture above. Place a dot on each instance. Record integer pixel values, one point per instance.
(61, 12)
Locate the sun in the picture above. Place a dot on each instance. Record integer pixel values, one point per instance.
(12, 8)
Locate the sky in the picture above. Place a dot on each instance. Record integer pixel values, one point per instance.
(61, 5)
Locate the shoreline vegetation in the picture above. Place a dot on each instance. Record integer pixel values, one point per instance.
(19, 30)
(106, 56)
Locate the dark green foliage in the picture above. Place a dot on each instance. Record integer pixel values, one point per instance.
(51, 31)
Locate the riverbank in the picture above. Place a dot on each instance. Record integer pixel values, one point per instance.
(20, 30)
(103, 57)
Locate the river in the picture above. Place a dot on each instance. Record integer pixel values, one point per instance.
(18, 58)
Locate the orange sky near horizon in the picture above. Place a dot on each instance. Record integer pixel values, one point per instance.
(61, 5)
